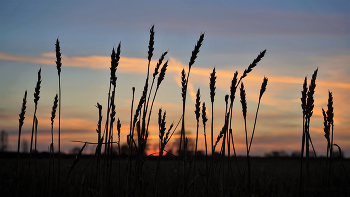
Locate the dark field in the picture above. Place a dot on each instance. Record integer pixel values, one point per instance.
(270, 177)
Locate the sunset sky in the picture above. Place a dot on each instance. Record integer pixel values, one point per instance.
(299, 37)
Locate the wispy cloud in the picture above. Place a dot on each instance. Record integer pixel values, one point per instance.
(132, 65)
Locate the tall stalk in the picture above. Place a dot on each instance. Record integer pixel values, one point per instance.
(244, 110)
(303, 106)
(21, 122)
(115, 57)
(307, 103)
(129, 141)
(205, 119)
(330, 116)
(230, 136)
(212, 98)
(184, 94)
(99, 145)
(197, 112)
(58, 65)
(36, 99)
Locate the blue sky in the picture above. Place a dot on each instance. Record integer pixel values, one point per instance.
(299, 37)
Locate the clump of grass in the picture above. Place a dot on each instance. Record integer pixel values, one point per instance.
(307, 104)
(115, 57)
(328, 126)
(163, 140)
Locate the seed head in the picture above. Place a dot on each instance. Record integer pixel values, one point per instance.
(114, 64)
(233, 87)
(212, 85)
(37, 88)
(162, 74)
(198, 105)
(243, 101)
(54, 107)
(23, 110)
(58, 57)
(196, 51)
(304, 96)
(263, 87)
(159, 63)
(204, 114)
(151, 43)
(310, 95)
(253, 64)
(330, 114)
(183, 84)
(326, 126)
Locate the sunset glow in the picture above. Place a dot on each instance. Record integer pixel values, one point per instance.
(298, 38)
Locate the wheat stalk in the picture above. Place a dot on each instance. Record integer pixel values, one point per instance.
(21, 122)
(36, 99)
(58, 66)
(197, 112)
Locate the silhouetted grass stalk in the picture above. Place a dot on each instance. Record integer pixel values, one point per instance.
(212, 99)
(36, 99)
(163, 139)
(330, 116)
(21, 122)
(58, 65)
(115, 57)
(129, 141)
(205, 119)
(244, 111)
(184, 82)
(99, 145)
(233, 90)
(197, 112)
(262, 90)
(307, 104)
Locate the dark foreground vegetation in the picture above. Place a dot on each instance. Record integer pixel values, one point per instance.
(270, 177)
(186, 174)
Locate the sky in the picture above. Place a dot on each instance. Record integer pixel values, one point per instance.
(299, 37)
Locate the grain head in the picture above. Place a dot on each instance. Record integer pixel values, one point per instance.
(243, 101)
(37, 88)
(151, 43)
(196, 51)
(198, 105)
(54, 107)
(23, 110)
(58, 57)
(212, 85)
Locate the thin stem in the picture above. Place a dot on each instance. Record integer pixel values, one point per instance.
(59, 132)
